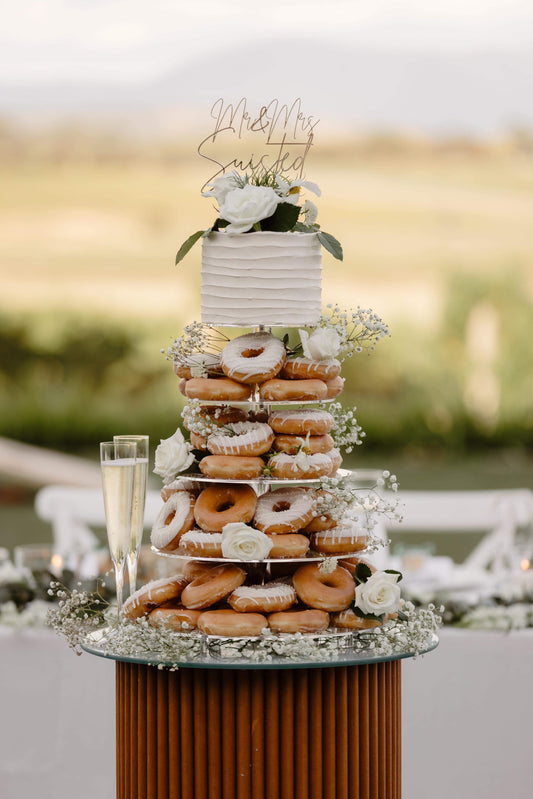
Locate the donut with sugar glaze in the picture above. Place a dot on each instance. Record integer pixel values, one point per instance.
(349, 620)
(311, 444)
(301, 421)
(336, 460)
(334, 387)
(331, 591)
(215, 388)
(232, 467)
(174, 616)
(298, 621)
(231, 623)
(277, 390)
(174, 519)
(288, 545)
(249, 438)
(212, 587)
(253, 358)
(285, 510)
(307, 369)
(153, 594)
(267, 598)
(218, 505)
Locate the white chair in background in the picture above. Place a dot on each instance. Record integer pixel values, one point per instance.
(73, 511)
(499, 515)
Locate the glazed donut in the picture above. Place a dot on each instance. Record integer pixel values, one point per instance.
(298, 621)
(349, 620)
(311, 444)
(285, 510)
(336, 460)
(201, 545)
(219, 505)
(334, 387)
(223, 414)
(249, 438)
(253, 358)
(211, 587)
(350, 564)
(152, 595)
(267, 598)
(293, 467)
(301, 421)
(175, 617)
(174, 519)
(277, 390)
(232, 467)
(215, 388)
(202, 361)
(196, 568)
(324, 590)
(345, 537)
(307, 369)
(290, 545)
(231, 623)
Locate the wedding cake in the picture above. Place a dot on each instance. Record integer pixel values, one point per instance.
(266, 528)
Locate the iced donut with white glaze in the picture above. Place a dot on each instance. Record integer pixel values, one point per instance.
(301, 466)
(285, 510)
(307, 369)
(153, 594)
(242, 438)
(301, 421)
(174, 519)
(200, 544)
(345, 537)
(253, 358)
(278, 390)
(267, 598)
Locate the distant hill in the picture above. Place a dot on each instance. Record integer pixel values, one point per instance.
(476, 93)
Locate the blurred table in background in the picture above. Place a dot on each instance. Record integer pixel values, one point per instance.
(467, 718)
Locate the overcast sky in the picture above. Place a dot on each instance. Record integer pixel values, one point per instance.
(49, 40)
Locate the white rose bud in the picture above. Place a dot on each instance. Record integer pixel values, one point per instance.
(244, 207)
(221, 186)
(173, 455)
(380, 594)
(244, 543)
(323, 343)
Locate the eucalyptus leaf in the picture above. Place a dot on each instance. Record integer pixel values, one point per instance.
(330, 244)
(186, 246)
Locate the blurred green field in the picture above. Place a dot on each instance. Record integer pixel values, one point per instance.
(437, 240)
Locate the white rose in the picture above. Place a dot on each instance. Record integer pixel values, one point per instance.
(380, 594)
(173, 455)
(323, 343)
(221, 186)
(244, 543)
(242, 208)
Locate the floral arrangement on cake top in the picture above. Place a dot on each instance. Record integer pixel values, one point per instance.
(252, 203)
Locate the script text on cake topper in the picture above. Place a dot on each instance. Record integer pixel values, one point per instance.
(274, 140)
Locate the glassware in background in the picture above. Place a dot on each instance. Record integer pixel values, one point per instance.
(118, 462)
(139, 501)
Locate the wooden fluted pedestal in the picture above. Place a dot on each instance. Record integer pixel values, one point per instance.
(319, 733)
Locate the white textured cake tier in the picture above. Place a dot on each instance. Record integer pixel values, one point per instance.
(261, 278)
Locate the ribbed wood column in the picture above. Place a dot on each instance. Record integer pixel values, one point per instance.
(331, 733)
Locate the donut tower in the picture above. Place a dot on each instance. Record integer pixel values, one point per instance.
(259, 548)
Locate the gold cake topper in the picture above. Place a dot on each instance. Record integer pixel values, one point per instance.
(274, 140)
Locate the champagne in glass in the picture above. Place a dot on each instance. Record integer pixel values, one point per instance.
(118, 460)
(139, 501)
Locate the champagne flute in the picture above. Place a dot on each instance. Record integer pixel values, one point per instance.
(117, 460)
(139, 501)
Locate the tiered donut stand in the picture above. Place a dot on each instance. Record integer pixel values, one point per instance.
(323, 726)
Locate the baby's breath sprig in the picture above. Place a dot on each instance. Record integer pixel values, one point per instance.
(347, 432)
(77, 613)
(357, 329)
(197, 420)
(198, 347)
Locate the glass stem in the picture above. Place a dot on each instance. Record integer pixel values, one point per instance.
(132, 572)
(119, 584)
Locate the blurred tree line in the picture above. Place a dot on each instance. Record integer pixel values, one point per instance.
(467, 385)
